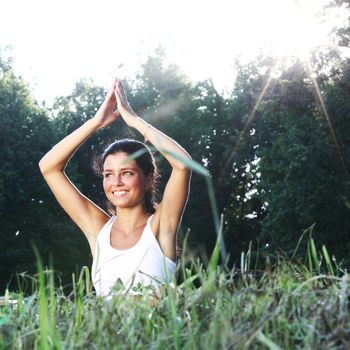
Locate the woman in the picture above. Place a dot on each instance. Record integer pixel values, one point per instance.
(138, 244)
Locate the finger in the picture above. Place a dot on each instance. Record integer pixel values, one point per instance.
(117, 85)
(119, 90)
(110, 92)
(116, 91)
(120, 85)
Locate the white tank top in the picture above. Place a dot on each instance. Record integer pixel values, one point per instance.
(144, 263)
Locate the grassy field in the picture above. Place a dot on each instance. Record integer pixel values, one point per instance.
(288, 305)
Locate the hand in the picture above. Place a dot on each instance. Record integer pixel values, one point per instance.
(123, 105)
(106, 114)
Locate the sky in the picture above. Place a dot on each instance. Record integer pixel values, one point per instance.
(57, 42)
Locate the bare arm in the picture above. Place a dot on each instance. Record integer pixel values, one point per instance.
(168, 215)
(88, 216)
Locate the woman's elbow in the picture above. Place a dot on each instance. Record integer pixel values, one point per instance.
(44, 166)
(41, 165)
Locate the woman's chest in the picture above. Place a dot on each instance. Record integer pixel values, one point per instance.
(122, 241)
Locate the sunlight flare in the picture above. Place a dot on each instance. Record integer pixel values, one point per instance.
(323, 110)
(297, 28)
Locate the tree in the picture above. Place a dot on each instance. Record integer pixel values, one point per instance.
(301, 179)
(24, 132)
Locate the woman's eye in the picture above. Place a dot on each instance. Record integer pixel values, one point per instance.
(127, 173)
(107, 175)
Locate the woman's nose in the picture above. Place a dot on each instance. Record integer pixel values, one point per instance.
(118, 180)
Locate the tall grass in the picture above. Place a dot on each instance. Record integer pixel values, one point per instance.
(290, 305)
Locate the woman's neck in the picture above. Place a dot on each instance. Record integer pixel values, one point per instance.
(129, 218)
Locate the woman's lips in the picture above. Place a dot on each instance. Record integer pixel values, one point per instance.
(120, 194)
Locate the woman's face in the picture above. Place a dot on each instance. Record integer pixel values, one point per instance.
(123, 181)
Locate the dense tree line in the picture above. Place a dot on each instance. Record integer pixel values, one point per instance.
(277, 164)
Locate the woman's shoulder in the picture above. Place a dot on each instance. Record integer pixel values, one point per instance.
(93, 220)
(106, 224)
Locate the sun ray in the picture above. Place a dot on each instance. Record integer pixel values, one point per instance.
(251, 116)
(323, 109)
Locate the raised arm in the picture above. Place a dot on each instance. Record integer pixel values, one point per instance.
(88, 216)
(168, 214)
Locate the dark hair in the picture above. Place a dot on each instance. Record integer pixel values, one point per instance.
(144, 159)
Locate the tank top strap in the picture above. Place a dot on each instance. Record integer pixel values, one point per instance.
(105, 231)
(147, 231)
(149, 220)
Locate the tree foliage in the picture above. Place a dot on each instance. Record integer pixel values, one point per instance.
(302, 180)
(25, 130)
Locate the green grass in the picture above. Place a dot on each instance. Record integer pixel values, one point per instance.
(289, 305)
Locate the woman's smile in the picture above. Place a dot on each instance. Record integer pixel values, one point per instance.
(120, 194)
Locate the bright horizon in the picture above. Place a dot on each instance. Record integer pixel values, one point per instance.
(56, 43)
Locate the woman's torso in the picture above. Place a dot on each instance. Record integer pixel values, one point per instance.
(144, 263)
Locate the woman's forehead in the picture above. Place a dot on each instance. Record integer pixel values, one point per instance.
(119, 160)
